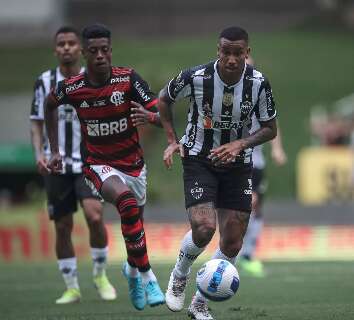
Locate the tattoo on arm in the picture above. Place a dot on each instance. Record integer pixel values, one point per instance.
(166, 118)
(267, 132)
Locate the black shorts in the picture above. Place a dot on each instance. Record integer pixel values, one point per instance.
(63, 193)
(227, 187)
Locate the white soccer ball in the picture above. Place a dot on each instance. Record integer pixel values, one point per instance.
(218, 280)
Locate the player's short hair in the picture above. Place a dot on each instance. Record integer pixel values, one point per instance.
(234, 34)
(95, 31)
(67, 29)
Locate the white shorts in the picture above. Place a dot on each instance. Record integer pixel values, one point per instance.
(99, 173)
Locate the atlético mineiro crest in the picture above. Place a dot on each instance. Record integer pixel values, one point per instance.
(197, 191)
(246, 107)
(117, 98)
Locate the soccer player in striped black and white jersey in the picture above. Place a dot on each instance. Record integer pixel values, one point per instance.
(216, 152)
(105, 97)
(67, 187)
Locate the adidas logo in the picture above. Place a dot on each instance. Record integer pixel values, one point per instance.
(84, 105)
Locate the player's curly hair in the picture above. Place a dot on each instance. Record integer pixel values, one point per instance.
(234, 34)
(95, 31)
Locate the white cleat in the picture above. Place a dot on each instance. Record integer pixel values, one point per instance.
(175, 293)
(198, 310)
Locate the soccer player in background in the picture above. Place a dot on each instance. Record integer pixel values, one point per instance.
(67, 186)
(103, 97)
(246, 259)
(216, 154)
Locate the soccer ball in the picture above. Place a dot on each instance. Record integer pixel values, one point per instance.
(218, 280)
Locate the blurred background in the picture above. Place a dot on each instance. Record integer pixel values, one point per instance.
(305, 47)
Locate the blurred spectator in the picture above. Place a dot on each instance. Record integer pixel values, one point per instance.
(335, 128)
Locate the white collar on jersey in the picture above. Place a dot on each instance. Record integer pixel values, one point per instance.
(61, 77)
(223, 83)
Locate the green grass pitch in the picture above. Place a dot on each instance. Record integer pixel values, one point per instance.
(298, 290)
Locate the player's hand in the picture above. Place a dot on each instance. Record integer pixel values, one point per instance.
(169, 151)
(226, 153)
(55, 163)
(279, 156)
(140, 116)
(42, 165)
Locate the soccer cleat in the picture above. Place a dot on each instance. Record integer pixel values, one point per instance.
(104, 288)
(154, 295)
(69, 296)
(252, 267)
(198, 310)
(175, 293)
(136, 290)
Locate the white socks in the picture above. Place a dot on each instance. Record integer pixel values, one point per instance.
(68, 269)
(131, 271)
(187, 255)
(250, 240)
(99, 258)
(219, 255)
(147, 276)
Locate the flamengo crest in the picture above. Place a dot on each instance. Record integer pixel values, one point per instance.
(117, 98)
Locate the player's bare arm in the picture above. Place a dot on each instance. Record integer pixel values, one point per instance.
(51, 123)
(228, 152)
(37, 144)
(165, 108)
(140, 116)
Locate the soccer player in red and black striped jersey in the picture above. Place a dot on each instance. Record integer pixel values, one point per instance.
(104, 98)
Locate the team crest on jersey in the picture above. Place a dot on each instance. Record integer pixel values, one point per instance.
(197, 191)
(246, 107)
(117, 98)
(228, 99)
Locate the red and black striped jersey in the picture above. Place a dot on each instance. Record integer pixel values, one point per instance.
(108, 134)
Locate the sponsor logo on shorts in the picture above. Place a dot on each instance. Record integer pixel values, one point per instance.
(249, 189)
(197, 191)
(106, 169)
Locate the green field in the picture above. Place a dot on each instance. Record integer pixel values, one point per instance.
(291, 291)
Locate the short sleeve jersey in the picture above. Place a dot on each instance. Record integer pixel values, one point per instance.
(219, 113)
(69, 133)
(108, 135)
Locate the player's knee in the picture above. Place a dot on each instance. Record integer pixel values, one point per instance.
(95, 220)
(203, 234)
(64, 226)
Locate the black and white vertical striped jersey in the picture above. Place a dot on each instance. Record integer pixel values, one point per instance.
(69, 133)
(219, 113)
